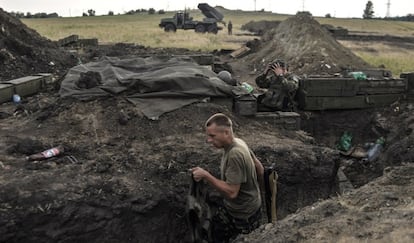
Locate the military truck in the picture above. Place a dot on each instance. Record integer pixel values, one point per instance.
(183, 20)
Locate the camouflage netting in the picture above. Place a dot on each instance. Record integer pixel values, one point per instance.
(24, 52)
(307, 47)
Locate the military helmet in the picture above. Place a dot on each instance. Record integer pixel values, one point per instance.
(226, 77)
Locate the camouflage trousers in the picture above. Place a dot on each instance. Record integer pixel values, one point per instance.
(225, 227)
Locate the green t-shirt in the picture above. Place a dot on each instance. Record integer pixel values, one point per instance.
(237, 167)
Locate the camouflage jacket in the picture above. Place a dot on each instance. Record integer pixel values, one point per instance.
(281, 90)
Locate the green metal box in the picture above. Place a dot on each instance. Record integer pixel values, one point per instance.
(245, 105)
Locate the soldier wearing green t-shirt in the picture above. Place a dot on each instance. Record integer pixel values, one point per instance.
(240, 170)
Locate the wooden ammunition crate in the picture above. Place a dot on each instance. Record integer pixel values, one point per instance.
(47, 77)
(72, 39)
(6, 92)
(28, 85)
(349, 93)
(410, 84)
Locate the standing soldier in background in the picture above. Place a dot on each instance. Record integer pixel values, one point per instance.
(281, 87)
(230, 28)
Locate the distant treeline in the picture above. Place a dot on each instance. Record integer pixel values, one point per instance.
(90, 12)
(409, 17)
(36, 15)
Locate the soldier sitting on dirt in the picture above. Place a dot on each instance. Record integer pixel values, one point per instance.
(281, 87)
(240, 211)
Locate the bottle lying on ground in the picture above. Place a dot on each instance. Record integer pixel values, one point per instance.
(374, 152)
(46, 154)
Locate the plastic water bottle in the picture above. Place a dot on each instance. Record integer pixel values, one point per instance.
(374, 152)
(358, 75)
(247, 87)
(16, 99)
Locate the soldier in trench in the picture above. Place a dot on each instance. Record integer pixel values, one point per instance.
(281, 87)
(240, 169)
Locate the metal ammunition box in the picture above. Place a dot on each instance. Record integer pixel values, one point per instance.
(245, 105)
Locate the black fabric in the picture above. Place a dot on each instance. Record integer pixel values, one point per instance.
(198, 212)
(166, 84)
(225, 227)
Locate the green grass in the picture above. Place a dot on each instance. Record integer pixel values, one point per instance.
(143, 29)
(397, 59)
(397, 63)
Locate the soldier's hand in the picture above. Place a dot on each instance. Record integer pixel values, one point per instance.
(198, 173)
(277, 69)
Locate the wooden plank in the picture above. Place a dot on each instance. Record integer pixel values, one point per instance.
(352, 102)
(280, 119)
(240, 52)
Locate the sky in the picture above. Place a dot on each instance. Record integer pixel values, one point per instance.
(336, 8)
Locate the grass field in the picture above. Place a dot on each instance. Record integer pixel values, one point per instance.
(143, 29)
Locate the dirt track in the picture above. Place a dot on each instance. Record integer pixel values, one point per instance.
(124, 178)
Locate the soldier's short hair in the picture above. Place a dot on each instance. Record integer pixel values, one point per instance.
(219, 119)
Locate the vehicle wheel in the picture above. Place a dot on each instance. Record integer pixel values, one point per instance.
(170, 28)
(200, 29)
(212, 29)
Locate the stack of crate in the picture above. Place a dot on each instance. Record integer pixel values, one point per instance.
(324, 93)
(25, 86)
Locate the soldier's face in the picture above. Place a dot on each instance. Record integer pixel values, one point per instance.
(217, 136)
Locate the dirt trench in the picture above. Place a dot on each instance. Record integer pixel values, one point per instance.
(128, 182)
(120, 182)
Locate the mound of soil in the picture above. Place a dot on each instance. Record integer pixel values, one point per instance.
(305, 45)
(24, 52)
